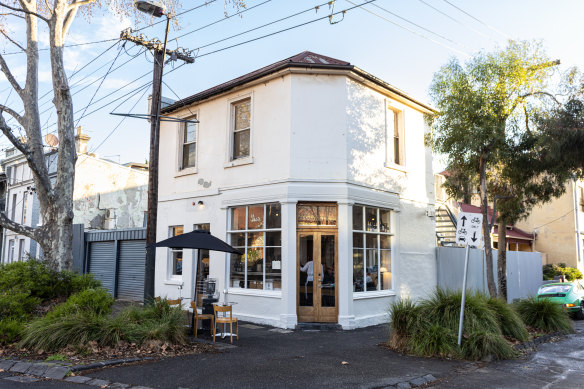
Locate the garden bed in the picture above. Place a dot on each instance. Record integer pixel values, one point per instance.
(93, 353)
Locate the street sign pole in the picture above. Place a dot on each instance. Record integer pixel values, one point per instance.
(468, 225)
(463, 295)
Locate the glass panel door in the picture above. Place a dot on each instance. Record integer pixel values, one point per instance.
(317, 269)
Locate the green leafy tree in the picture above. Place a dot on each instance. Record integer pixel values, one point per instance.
(486, 110)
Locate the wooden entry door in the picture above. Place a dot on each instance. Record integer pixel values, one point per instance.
(317, 296)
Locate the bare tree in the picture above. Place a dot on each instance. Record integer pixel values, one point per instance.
(55, 196)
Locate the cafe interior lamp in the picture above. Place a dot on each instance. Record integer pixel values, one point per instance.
(152, 7)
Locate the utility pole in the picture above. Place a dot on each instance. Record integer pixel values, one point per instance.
(160, 53)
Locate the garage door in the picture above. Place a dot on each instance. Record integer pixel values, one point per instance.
(102, 263)
(131, 270)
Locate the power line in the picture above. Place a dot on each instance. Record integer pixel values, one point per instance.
(219, 20)
(455, 20)
(286, 29)
(417, 25)
(66, 46)
(100, 84)
(264, 25)
(555, 220)
(478, 20)
(413, 32)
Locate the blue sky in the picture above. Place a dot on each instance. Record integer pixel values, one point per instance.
(369, 37)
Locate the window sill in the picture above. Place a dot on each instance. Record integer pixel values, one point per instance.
(174, 281)
(376, 294)
(255, 292)
(394, 166)
(186, 172)
(239, 162)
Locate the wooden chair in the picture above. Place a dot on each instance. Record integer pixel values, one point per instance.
(202, 316)
(222, 319)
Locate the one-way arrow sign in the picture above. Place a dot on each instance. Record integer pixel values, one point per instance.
(469, 229)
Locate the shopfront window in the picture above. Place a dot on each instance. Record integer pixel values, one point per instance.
(176, 255)
(324, 215)
(371, 249)
(256, 232)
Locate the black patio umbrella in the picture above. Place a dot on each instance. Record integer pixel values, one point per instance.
(198, 239)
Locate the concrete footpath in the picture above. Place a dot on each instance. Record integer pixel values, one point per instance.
(266, 357)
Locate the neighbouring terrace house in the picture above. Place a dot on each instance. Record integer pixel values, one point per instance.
(106, 195)
(317, 171)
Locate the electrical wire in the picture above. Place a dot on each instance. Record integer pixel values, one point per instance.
(417, 25)
(99, 86)
(555, 220)
(414, 32)
(287, 29)
(456, 20)
(66, 46)
(478, 20)
(263, 25)
(219, 20)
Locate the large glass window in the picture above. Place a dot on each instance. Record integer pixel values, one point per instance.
(189, 144)
(256, 232)
(241, 129)
(371, 249)
(176, 255)
(324, 215)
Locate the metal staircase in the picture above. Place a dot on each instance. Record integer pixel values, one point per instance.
(445, 226)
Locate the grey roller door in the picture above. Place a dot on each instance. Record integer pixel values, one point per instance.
(131, 270)
(102, 263)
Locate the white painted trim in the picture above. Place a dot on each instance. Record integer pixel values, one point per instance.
(255, 293)
(375, 294)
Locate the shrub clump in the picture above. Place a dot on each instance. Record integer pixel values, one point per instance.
(543, 314)
(24, 286)
(86, 319)
(431, 327)
(552, 270)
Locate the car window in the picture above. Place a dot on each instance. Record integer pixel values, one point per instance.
(555, 289)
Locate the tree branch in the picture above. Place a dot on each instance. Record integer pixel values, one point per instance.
(12, 40)
(79, 3)
(12, 113)
(9, 76)
(17, 227)
(12, 14)
(25, 11)
(25, 150)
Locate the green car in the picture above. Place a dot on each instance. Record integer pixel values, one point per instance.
(569, 294)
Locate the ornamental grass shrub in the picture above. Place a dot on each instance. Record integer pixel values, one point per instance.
(90, 321)
(543, 314)
(24, 286)
(430, 328)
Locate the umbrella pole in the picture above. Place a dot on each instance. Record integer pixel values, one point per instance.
(226, 280)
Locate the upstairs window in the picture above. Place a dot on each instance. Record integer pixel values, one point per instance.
(241, 129)
(189, 144)
(394, 137)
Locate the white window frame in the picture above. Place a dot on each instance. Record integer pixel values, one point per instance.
(230, 231)
(11, 251)
(399, 122)
(378, 233)
(21, 243)
(230, 160)
(181, 170)
(24, 208)
(170, 265)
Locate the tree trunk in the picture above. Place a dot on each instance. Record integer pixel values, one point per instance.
(502, 261)
(486, 230)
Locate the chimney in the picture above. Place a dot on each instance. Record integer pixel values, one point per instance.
(81, 140)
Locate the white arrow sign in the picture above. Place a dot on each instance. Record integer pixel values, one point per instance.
(469, 229)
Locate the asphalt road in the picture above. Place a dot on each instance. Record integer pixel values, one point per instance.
(268, 359)
(554, 365)
(338, 359)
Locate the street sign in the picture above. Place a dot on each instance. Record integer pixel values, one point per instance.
(469, 229)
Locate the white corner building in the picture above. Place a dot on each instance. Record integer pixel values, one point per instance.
(317, 171)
